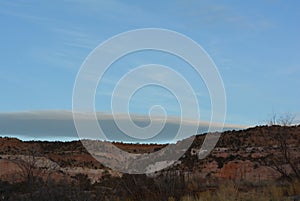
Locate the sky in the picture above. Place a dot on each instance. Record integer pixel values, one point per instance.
(254, 44)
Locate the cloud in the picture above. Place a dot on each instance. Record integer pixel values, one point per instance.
(66, 44)
(28, 16)
(213, 14)
(58, 125)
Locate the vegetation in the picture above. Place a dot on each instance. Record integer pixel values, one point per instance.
(231, 192)
(287, 157)
(141, 187)
(43, 176)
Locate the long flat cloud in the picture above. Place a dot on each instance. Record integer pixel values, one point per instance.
(58, 125)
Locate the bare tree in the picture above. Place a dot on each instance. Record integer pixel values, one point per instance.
(286, 119)
(31, 166)
(27, 165)
(273, 120)
(284, 157)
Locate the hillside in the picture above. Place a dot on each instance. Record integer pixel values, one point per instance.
(236, 153)
(255, 155)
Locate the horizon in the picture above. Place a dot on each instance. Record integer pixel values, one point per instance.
(133, 143)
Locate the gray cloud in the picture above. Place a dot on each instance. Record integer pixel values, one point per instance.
(59, 125)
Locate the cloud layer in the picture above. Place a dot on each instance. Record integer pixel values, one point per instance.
(59, 125)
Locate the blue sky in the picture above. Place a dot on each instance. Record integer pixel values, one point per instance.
(254, 44)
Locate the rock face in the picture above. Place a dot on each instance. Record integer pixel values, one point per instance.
(246, 155)
(12, 169)
(239, 156)
(244, 170)
(8, 170)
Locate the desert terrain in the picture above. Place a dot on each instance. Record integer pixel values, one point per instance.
(243, 160)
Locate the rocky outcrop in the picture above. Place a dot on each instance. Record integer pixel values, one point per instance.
(238, 156)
